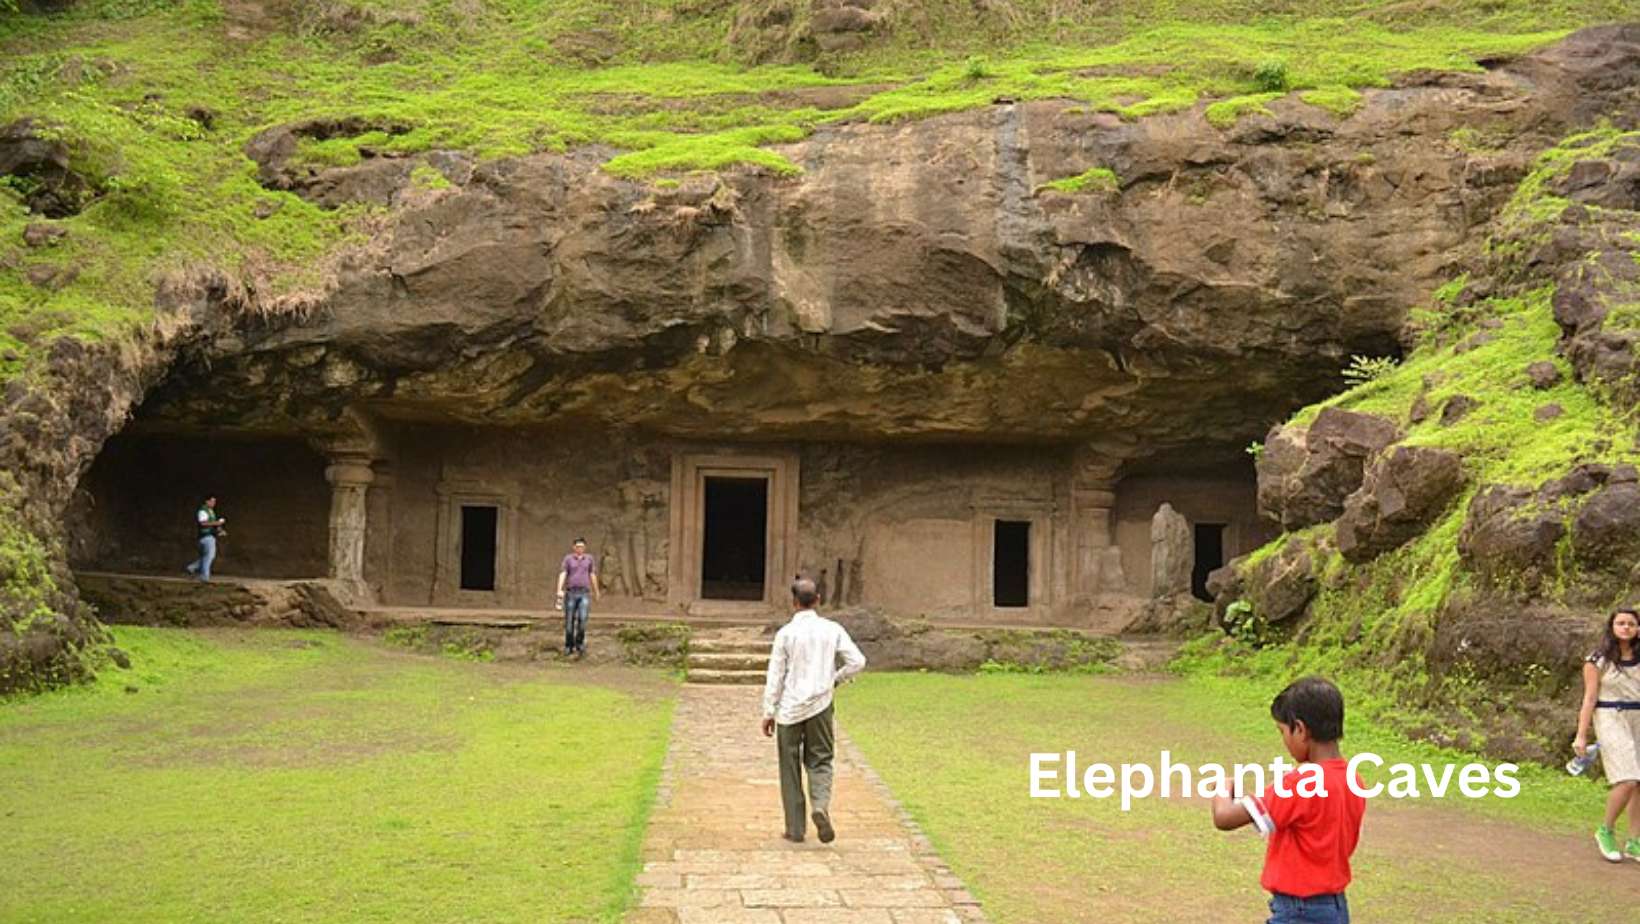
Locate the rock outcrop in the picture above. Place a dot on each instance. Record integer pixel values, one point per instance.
(1401, 496)
(1305, 474)
(916, 283)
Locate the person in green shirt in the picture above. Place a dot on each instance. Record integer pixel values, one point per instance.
(209, 525)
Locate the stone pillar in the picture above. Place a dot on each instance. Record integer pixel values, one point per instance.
(349, 476)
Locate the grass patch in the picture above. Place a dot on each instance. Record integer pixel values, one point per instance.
(955, 750)
(309, 777)
(1340, 101)
(1097, 180)
(1225, 113)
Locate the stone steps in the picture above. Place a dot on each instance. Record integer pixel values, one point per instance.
(723, 678)
(727, 656)
(729, 661)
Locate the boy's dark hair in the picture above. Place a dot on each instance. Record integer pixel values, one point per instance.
(1316, 702)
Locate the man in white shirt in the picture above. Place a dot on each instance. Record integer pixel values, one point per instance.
(803, 672)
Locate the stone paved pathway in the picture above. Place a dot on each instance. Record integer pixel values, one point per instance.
(713, 853)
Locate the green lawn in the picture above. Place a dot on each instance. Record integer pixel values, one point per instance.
(296, 777)
(955, 750)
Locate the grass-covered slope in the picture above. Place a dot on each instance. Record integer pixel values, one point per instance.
(155, 100)
(1441, 636)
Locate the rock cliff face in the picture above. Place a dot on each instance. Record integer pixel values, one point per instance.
(915, 284)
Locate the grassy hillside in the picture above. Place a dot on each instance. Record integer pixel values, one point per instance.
(1373, 623)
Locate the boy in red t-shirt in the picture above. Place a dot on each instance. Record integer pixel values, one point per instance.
(1312, 820)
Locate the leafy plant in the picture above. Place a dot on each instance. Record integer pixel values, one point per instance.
(406, 636)
(1246, 626)
(1365, 369)
(1272, 76)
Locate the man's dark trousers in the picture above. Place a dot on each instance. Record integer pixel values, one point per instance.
(806, 745)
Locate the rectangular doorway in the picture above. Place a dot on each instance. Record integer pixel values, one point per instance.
(1011, 564)
(735, 538)
(478, 547)
(1209, 557)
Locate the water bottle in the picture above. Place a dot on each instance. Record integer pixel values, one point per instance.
(1577, 765)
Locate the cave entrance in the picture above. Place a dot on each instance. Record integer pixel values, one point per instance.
(1011, 564)
(1209, 557)
(479, 528)
(735, 538)
(133, 511)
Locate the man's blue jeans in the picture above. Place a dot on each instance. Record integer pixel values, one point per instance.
(207, 554)
(1317, 909)
(577, 604)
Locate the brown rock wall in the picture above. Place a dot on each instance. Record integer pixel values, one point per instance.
(915, 282)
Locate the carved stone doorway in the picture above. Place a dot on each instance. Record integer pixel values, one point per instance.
(734, 530)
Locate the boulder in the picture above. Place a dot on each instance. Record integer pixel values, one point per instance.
(43, 234)
(1457, 408)
(1507, 540)
(57, 187)
(1511, 534)
(1301, 487)
(1606, 528)
(1282, 586)
(1172, 553)
(1544, 375)
(1402, 495)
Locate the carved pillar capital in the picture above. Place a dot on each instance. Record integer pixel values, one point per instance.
(349, 472)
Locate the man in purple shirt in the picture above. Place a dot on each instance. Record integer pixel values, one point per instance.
(577, 583)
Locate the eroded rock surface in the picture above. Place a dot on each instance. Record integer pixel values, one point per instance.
(1401, 496)
(915, 283)
(1306, 473)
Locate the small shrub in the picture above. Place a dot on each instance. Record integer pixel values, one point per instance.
(1272, 76)
(1364, 369)
(406, 636)
(976, 68)
(1248, 627)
